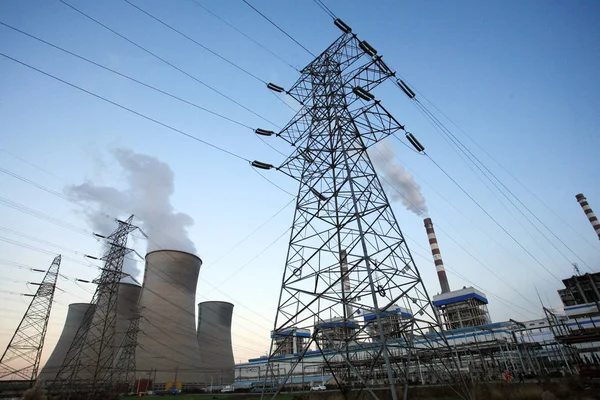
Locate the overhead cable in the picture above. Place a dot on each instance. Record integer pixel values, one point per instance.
(128, 77)
(139, 114)
(245, 35)
(280, 29)
(494, 219)
(538, 199)
(484, 170)
(167, 62)
(382, 177)
(248, 236)
(196, 42)
(326, 9)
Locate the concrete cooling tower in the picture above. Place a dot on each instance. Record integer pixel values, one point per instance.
(127, 298)
(214, 341)
(75, 315)
(167, 344)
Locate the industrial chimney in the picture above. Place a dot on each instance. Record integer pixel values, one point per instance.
(437, 257)
(590, 214)
(346, 282)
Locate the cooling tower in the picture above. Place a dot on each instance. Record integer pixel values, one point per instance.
(75, 315)
(167, 343)
(214, 341)
(127, 298)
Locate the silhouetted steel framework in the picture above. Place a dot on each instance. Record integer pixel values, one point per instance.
(21, 359)
(88, 364)
(349, 276)
(123, 374)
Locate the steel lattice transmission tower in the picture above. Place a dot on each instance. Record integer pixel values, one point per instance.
(21, 359)
(123, 374)
(89, 360)
(349, 277)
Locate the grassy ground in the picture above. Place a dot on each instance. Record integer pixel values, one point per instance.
(241, 396)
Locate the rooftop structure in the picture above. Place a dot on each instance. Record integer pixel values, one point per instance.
(580, 290)
(462, 308)
(334, 333)
(290, 341)
(581, 300)
(392, 321)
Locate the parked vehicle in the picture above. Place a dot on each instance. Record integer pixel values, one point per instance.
(318, 387)
(227, 389)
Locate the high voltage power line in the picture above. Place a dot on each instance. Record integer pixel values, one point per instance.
(261, 175)
(166, 62)
(321, 5)
(478, 162)
(245, 35)
(332, 15)
(139, 114)
(196, 42)
(150, 239)
(488, 174)
(278, 27)
(382, 177)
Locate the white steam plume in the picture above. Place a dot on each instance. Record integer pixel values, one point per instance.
(404, 186)
(147, 195)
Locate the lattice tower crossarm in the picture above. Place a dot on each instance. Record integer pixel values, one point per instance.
(90, 357)
(346, 249)
(21, 359)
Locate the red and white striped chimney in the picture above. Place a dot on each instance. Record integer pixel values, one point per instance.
(346, 282)
(590, 214)
(437, 257)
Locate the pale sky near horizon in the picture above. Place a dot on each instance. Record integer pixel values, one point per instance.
(519, 77)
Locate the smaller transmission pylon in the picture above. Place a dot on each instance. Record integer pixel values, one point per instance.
(123, 374)
(89, 361)
(21, 359)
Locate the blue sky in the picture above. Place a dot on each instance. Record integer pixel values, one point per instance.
(519, 77)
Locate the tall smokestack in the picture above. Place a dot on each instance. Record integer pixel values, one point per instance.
(437, 257)
(590, 214)
(346, 282)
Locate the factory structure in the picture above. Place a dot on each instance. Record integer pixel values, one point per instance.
(560, 343)
(177, 346)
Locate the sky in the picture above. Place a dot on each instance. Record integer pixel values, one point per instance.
(515, 81)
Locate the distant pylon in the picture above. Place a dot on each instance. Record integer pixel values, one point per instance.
(351, 293)
(123, 373)
(21, 359)
(90, 357)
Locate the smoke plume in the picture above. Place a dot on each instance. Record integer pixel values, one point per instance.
(404, 187)
(147, 194)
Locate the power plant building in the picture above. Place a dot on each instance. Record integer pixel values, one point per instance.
(214, 342)
(290, 341)
(392, 321)
(462, 308)
(580, 298)
(167, 343)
